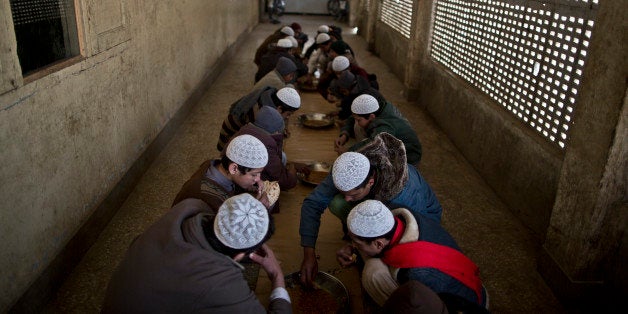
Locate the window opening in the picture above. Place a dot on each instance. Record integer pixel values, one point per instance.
(398, 15)
(45, 31)
(528, 56)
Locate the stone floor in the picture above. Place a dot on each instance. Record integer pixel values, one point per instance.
(484, 227)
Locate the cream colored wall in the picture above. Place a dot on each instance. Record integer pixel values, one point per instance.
(69, 137)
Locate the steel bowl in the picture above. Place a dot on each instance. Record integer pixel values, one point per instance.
(327, 282)
(318, 172)
(316, 120)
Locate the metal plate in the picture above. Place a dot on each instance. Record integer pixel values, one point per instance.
(316, 120)
(327, 282)
(318, 172)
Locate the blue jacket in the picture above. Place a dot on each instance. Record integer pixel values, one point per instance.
(416, 196)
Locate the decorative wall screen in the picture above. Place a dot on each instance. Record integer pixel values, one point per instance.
(526, 55)
(398, 15)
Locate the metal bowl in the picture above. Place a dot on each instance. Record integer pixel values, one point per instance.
(318, 172)
(327, 282)
(316, 120)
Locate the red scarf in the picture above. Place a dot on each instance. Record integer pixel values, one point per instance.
(426, 254)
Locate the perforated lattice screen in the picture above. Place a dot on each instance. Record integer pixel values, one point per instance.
(398, 15)
(526, 55)
(31, 11)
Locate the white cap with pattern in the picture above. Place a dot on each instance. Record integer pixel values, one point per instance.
(364, 104)
(340, 63)
(241, 222)
(284, 43)
(370, 219)
(287, 30)
(322, 38)
(323, 29)
(246, 150)
(350, 170)
(290, 97)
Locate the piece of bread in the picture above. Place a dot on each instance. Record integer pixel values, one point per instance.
(272, 190)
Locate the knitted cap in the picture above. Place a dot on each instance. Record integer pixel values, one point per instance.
(340, 47)
(346, 80)
(269, 119)
(322, 38)
(323, 29)
(287, 30)
(370, 219)
(246, 150)
(241, 222)
(364, 104)
(290, 97)
(284, 43)
(294, 41)
(295, 26)
(350, 169)
(285, 66)
(340, 63)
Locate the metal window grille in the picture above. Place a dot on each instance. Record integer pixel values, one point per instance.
(526, 55)
(398, 15)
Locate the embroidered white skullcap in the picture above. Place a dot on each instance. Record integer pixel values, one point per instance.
(350, 169)
(246, 150)
(284, 43)
(287, 30)
(370, 219)
(294, 41)
(322, 38)
(241, 222)
(364, 104)
(323, 29)
(290, 97)
(340, 63)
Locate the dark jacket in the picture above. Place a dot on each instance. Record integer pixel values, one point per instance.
(201, 187)
(171, 268)
(274, 170)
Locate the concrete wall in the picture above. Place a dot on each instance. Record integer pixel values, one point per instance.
(70, 133)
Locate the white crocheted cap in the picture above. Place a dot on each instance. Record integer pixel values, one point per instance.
(294, 41)
(284, 43)
(350, 169)
(290, 97)
(322, 38)
(246, 150)
(323, 29)
(370, 219)
(241, 222)
(340, 63)
(287, 30)
(364, 104)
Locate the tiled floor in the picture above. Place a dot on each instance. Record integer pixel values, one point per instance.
(483, 226)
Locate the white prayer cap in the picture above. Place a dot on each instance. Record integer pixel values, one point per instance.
(364, 104)
(246, 150)
(340, 63)
(287, 30)
(290, 97)
(284, 43)
(242, 222)
(350, 170)
(370, 219)
(322, 38)
(294, 41)
(323, 29)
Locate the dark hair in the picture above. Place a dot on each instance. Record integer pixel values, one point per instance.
(225, 162)
(210, 235)
(388, 235)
